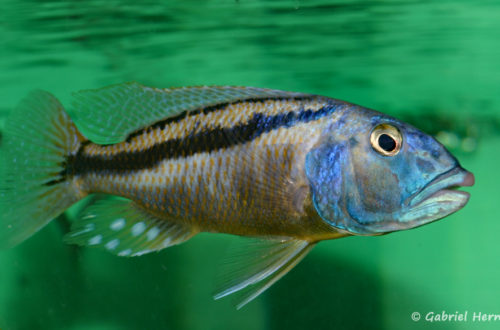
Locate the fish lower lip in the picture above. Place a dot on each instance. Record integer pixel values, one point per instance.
(436, 206)
(439, 198)
(449, 194)
(445, 183)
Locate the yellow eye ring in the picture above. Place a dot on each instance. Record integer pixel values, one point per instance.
(386, 140)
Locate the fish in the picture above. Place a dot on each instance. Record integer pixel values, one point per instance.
(288, 169)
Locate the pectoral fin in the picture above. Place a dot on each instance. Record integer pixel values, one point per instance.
(253, 269)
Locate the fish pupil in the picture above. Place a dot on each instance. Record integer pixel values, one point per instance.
(386, 142)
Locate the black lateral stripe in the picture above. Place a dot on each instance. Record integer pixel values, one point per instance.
(205, 141)
(66, 165)
(162, 124)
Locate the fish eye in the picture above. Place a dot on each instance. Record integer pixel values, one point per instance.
(386, 140)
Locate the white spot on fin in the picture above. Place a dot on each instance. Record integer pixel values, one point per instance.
(153, 233)
(111, 245)
(118, 224)
(95, 240)
(140, 253)
(125, 252)
(138, 228)
(88, 227)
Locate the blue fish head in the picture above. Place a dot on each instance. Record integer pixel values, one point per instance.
(371, 174)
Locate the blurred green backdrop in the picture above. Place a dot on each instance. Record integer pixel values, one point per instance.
(433, 63)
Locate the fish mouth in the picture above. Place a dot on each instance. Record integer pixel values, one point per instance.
(439, 198)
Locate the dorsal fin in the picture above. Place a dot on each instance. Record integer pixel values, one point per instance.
(108, 115)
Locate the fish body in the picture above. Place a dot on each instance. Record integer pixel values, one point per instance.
(237, 168)
(291, 168)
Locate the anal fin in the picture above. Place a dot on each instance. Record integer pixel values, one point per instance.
(121, 227)
(252, 270)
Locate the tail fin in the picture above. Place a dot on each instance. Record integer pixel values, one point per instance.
(38, 137)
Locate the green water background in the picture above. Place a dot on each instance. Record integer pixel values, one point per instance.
(435, 64)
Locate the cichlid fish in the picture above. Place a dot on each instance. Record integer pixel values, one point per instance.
(291, 168)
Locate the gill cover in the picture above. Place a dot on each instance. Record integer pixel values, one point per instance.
(324, 170)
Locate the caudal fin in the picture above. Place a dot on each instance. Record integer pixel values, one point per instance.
(38, 137)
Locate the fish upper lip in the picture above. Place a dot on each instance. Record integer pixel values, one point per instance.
(455, 177)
